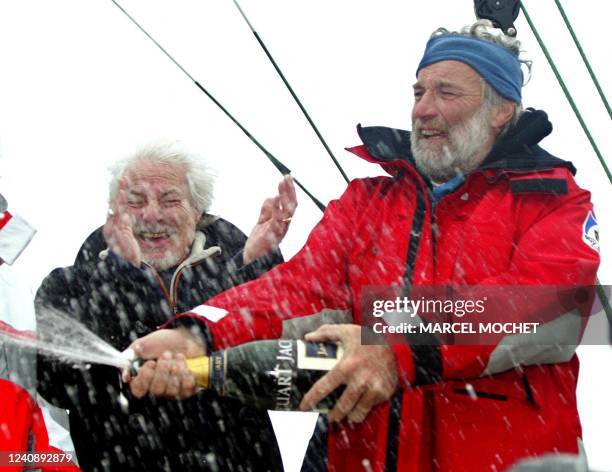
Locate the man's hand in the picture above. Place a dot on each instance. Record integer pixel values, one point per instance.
(168, 376)
(177, 341)
(118, 228)
(369, 373)
(273, 222)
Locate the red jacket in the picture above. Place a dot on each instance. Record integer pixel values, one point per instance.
(22, 425)
(23, 430)
(518, 219)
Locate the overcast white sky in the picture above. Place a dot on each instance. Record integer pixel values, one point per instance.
(81, 86)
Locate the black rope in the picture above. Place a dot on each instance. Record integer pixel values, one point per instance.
(566, 91)
(283, 169)
(295, 97)
(587, 64)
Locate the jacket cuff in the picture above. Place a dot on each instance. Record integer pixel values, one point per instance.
(224, 331)
(195, 326)
(205, 323)
(258, 267)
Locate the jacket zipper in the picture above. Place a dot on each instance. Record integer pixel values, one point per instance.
(175, 284)
(396, 402)
(161, 284)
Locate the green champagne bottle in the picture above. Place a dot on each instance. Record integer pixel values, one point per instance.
(273, 375)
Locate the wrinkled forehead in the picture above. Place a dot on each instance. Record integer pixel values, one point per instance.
(451, 72)
(499, 66)
(157, 177)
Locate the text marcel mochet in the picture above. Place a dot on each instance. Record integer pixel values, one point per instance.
(458, 308)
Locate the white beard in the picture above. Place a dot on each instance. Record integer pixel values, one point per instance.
(463, 152)
(164, 263)
(170, 258)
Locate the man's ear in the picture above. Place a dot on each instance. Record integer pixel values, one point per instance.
(502, 114)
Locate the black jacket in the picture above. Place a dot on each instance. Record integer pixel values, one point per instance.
(120, 303)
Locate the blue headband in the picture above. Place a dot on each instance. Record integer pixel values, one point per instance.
(496, 64)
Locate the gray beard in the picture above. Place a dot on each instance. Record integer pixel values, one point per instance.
(169, 259)
(164, 263)
(462, 153)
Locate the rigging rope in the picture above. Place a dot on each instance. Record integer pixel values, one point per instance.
(566, 91)
(278, 164)
(295, 97)
(600, 290)
(584, 58)
(285, 170)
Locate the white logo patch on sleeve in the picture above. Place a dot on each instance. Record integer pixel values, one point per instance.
(211, 313)
(590, 232)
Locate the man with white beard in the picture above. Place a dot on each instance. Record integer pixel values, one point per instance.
(159, 253)
(472, 200)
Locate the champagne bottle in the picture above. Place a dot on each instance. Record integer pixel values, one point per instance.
(273, 375)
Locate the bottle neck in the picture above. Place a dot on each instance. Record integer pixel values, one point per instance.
(200, 368)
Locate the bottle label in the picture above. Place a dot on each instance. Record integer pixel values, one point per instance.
(318, 356)
(283, 373)
(217, 371)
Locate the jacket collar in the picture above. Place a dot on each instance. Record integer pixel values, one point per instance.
(517, 150)
(198, 252)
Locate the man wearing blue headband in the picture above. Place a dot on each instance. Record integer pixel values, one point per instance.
(467, 94)
(471, 202)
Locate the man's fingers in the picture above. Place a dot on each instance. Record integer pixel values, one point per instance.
(369, 373)
(154, 344)
(110, 225)
(126, 376)
(139, 386)
(160, 381)
(118, 202)
(122, 193)
(368, 400)
(267, 209)
(187, 384)
(169, 376)
(321, 388)
(277, 212)
(288, 197)
(347, 401)
(173, 385)
(332, 333)
(118, 231)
